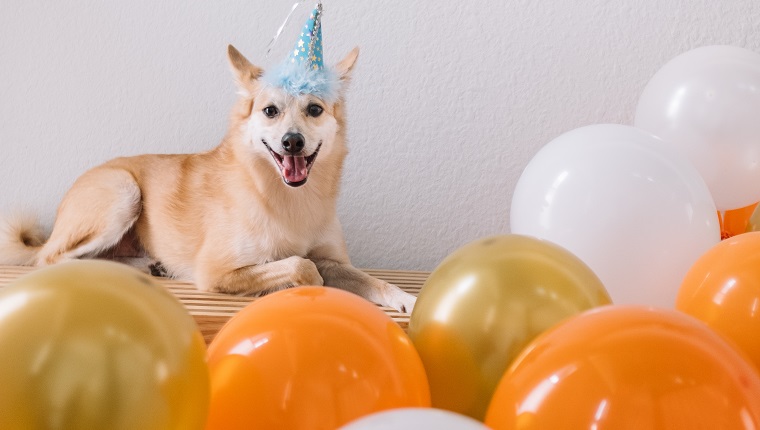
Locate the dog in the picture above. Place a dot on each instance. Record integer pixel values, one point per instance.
(252, 216)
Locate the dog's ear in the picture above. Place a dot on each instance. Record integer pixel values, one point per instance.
(246, 73)
(347, 64)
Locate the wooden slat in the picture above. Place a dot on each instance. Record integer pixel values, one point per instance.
(212, 310)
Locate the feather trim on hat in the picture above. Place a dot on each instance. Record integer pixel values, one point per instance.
(296, 79)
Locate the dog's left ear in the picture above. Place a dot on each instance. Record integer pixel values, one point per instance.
(246, 74)
(347, 64)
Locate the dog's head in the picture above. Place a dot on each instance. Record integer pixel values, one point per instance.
(293, 132)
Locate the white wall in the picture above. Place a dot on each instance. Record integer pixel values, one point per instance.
(449, 103)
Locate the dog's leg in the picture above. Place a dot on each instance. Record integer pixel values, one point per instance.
(347, 277)
(259, 279)
(94, 215)
(331, 259)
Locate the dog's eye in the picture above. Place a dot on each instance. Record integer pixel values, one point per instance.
(314, 110)
(270, 111)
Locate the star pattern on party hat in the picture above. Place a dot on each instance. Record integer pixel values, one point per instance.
(308, 48)
(303, 71)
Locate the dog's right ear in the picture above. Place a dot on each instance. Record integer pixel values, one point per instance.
(347, 64)
(246, 74)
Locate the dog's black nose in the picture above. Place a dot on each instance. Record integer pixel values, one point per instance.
(293, 142)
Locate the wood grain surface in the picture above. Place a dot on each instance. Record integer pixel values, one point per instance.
(212, 310)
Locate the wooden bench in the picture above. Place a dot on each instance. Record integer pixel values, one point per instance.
(212, 310)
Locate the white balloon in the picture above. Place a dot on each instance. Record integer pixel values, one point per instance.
(415, 419)
(706, 102)
(629, 206)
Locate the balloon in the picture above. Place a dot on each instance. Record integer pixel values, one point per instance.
(737, 221)
(484, 303)
(754, 221)
(723, 290)
(311, 358)
(628, 206)
(415, 419)
(628, 367)
(705, 102)
(98, 345)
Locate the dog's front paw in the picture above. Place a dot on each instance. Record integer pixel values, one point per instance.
(304, 272)
(399, 299)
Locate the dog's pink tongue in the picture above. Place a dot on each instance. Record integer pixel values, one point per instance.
(294, 168)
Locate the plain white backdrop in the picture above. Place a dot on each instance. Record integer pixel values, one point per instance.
(450, 100)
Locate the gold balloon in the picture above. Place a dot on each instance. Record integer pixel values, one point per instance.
(98, 345)
(753, 224)
(484, 303)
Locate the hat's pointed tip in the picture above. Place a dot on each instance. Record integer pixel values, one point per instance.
(308, 47)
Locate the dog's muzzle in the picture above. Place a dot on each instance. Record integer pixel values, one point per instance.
(293, 164)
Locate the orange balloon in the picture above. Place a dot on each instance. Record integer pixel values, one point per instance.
(723, 289)
(736, 221)
(628, 367)
(311, 358)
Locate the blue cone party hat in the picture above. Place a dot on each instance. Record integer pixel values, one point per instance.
(308, 49)
(304, 72)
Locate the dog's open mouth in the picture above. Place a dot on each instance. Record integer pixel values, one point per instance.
(294, 168)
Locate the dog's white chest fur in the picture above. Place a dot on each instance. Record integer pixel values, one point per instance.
(293, 230)
(258, 247)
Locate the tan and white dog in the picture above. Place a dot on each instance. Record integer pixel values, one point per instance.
(254, 215)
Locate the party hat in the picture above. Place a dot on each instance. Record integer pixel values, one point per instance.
(304, 72)
(308, 48)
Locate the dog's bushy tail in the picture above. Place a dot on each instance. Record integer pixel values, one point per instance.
(21, 238)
